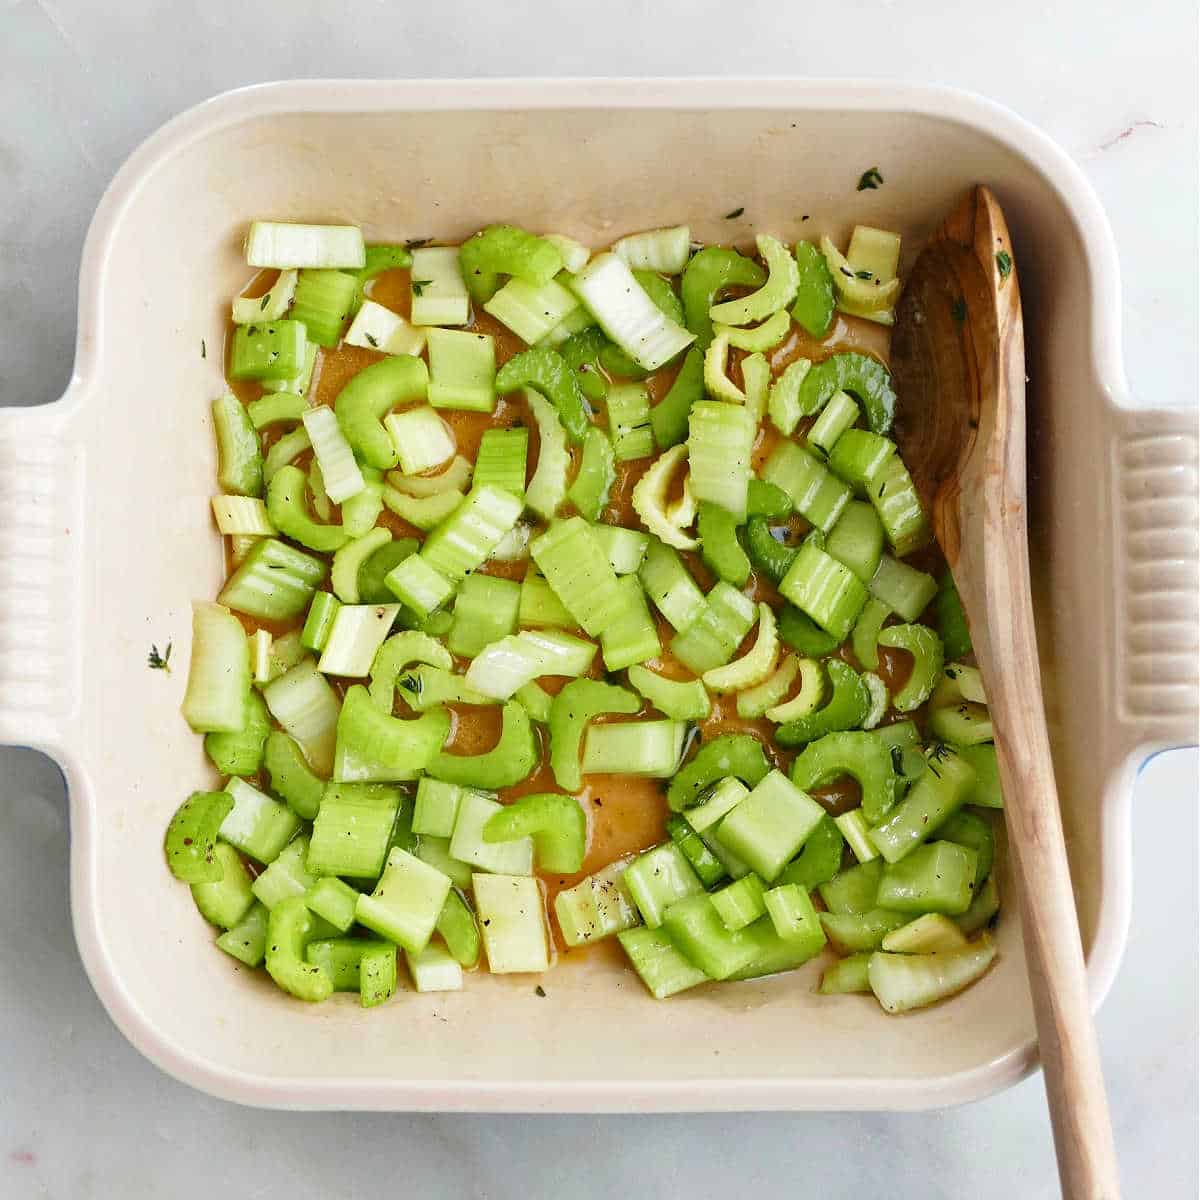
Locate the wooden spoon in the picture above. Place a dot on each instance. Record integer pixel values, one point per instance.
(958, 361)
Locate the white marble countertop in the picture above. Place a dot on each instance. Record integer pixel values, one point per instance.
(81, 1113)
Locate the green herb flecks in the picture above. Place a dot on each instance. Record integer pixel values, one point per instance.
(1004, 263)
(868, 181)
(958, 310)
(159, 662)
(733, 216)
(419, 286)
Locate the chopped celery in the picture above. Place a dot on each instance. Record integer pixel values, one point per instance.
(634, 748)
(936, 877)
(597, 473)
(508, 762)
(720, 440)
(503, 667)
(456, 924)
(307, 707)
(275, 350)
(814, 295)
(783, 400)
(439, 295)
(669, 417)
(741, 902)
(287, 875)
(406, 902)
(288, 928)
(826, 590)
(377, 328)
(462, 370)
(286, 244)
(581, 701)
(240, 462)
(531, 312)
(257, 824)
(434, 970)
(664, 250)
(858, 754)
(513, 921)
(218, 673)
(926, 649)
(761, 699)
(755, 665)
(546, 372)
(632, 636)
(696, 928)
(856, 540)
(736, 754)
(928, 934)
(373, 746)
(190, 843)
(783, 277)
(902, 982)
(709, 272)
(323, 302)
(357, 632)
(862, 376)
(854, 828)
(241, 753)
(658, 879)
(247, 940)
(352, 829)
(650, 499)
(769, 826)
(555, 822)
(818, 495)
(369, 396)
(422, 439)
(506, 250)
(548, 487)
(576, 567)
(846, 708)
(896, 501)
(659, 963)
(846, 975)
(682, 701)
(485, 611)
(501, 460)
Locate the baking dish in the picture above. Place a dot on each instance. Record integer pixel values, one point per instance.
(108, 539)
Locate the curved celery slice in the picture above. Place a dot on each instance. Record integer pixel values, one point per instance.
(271, 409)
(865, 378)
(369, 396)
(545, 370)
(190, 843)
(899, 507)
(772, 558)
(501, 669)
(865, 636)
(283, 451)
(932, 933)
(668, 418)
(425, 512)
(349, 558)
(902, 982)
(288, 929)
(760, 338)
(880, 699)
(756, 701)
(719, 545)
(627, 314)
(682, 701)
(755, 665)
(938, 794)
(926, 648)
(802, 633)
(650, 499)
(578, 703)
(239, 458)
(783, 278)
(373, 572)
(720, 442)
(597, 473)
(291, 777)
(555, 822)
(662, 250)
(756, 374)
(711, 271)
(548, 487)
(574, 254)
(286, 508)
(783, 400)
(302, 701)
(375, 746)
(455, 478)
(269, 307)
(218, 672)
(730, 754)
(662, 293)
(805, 701)
(861, 755)
(847, 708)
(961, 724)
(508, 762)
(241, 753)
(506, 250)
(866, 296)
(226, 901)
(814, 297)
(716, 377)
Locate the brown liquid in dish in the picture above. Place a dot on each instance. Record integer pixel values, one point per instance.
(626, 813)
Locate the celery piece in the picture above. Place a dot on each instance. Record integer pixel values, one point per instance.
(290, 775)
(283, 452)
(287, 875)
(373, 746)
(536, 701)
(771, 557)
(285, 244)
(709, 272)
(814, 304)
(826, 590)
(854, 933)
(792, 914)
(271, 350)
(369, 396)
(664, 250)
(508, 762)
(581, 353)
(669, 417)
(858, 457)
(846, 709)
(456, 924)
(708, 867)
(856, 753)
(579, 702)
(783, 400)
(548, 487)
(247, 940)
(513, 921)
(323, 303)
(632, 636)
(804, 703)
(846, 975)
(272, 409)
(425, 512)
(720, 440)
(506, 250)
(854, 828)
(545, 370)
(302, 701)
(485, 610)
(670, 586)
(902, 982)
(966, 829)
(715, 803)
(556, 824)
(422, 439)
(936, 877)
(419, 586)
(287, 509)
(624, 548)
(658, 963)
(820, 859)
(406, 902)
(984, 907)
(462, 370)
(341, 958)
(256, 824)
(761, 699)
(755, 665)
(500, 461)
(596, 907)
(218, 672)
(378, 328)
(783, 277)
(357, 632)
(271, 306)
(634, 748)
(650, 500)
(737, 754)
(436, 852)
(274, 582)
(864, 637)
(395, 655)
(926, 648)
(856, 540)
(465, 539)
(952, 619)
(710, 641)
(590, 491)
(375, 569)
(576, 567)
(740, 902)
(352, 829)
(190, 843)
(816, 492)
(904, 589)
(439, 293)
(768, 827)
(433, 970)
(377, 975)
(720, 549)
(539, 606)
(929, 934)
(986, 790)
(838, 415)
(682, 701)
(436, 807)
(935, 797)
(864, 291)
(659, 878)
(863, 377)
(239, 457)
(895, 498)
(531, 312)
(502, 668)
(319, 621)
(334, 901)
(241, 753)
(695, 927)
(288, 929)
(853, 890)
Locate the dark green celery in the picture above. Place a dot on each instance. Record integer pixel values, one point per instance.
(926, 649)
(662, 294)
(374, 746)
(819, 860)
(984, 907)
(287, 508)
(863, 377)
(225, 901)
(506, 250)
(986, 790)
(508, 762)
(555, 822)
(289, 927)
(847, 708)
(372, 572)
(853, 890)
(267, 352)
(458, 928)
(952, 620)
(966, 829)
(936, 877)
(736, 754)
(815, 303)
(708, 867)
(580, 352)
(239, 456)
(669, 417)
(767, 500)
(546, 371)
(597, 473)
(856, 933)
(324, 300)
(485, 610)
(276, 407)
(369, 396)
(769, 556)
(858, 456)
(241, 753)
(353, 829)
(720, 549)
(802, 633)
(860, 755)
(341, 958)
(933, 799)
(708, 273)
(247, 940)
(191, 838)
(579, 702)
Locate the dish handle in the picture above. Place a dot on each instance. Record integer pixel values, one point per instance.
(41, 548)
(1156, 658)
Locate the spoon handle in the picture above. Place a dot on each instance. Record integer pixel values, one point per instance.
(1087, 1159)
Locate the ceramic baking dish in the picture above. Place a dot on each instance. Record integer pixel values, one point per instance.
(108, 538)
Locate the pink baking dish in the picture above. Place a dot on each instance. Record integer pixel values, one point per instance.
(108, 539)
